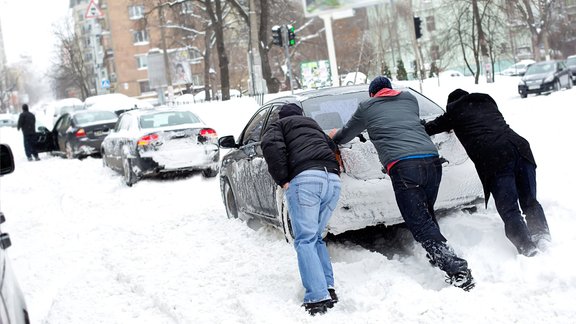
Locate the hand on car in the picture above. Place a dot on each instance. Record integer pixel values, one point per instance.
(332, 132)
(285, 186)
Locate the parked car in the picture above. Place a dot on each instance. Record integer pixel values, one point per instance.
(367, 197)
(571, 64)
(518, 69)
(115, 102)
(77, 134)
(8, 120)
(149, 142)
(12, 303)
(545, 77)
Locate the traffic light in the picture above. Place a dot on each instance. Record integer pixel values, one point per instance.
(291, 35)
(418, 27)
(277, 35)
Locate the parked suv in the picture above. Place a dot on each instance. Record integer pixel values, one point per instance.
(12, 304)
(545, 77)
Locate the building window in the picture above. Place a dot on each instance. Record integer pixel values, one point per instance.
(141, 61)
(430, 23)
(144, 86)
(136, 12)
(140, 36)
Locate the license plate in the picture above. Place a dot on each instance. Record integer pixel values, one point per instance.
(100, 133)
(533, 87)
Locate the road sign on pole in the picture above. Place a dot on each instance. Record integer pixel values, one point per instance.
(93, 11)
(105, 84)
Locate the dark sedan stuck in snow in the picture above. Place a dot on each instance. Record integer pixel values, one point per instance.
(77, 134)
(149, 142)
(367, 197)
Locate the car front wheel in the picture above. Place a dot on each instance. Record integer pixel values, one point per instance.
(557, 85)
(209, 173)
(230, 201)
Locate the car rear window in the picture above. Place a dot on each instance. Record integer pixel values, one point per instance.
(169, 118)
(335, 111)
(90, 117)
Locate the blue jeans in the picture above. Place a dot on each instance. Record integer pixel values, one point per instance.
(312, 197)
(415, 183)
(516, 183)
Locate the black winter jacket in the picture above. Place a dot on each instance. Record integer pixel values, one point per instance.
(27, 122)
(294, 144)
(485, 135)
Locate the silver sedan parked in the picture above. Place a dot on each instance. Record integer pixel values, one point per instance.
(149, 142)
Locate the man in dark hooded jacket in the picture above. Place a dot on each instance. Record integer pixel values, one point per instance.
(504, 162)
(409, 156)
(301, 159)
(27, 122)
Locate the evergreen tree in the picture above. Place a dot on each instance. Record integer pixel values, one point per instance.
(385, 71)
(401, 72)
(433, 70)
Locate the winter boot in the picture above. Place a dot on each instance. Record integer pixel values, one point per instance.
(320, 307)
(542, 241)
(457, 273)
(333, 296)
(527, 249)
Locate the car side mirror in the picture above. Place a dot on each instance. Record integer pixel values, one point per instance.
(227, 142)
(6, 160)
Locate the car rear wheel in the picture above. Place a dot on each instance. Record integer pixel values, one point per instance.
(230, 201)
(523, 95)
(286, 222)
(128, 173)
(557, 85)
(569, 86)
(69, 151)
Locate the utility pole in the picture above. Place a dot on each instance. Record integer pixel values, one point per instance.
(287, 54)
(254, 53)
(168, 73)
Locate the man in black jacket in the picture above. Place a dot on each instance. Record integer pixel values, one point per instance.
(27, 122)
(504, 162)
(301, 159)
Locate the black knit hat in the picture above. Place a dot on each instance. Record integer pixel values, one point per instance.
(290, 109)
(379, 83)
(456, 94)
(24, 107)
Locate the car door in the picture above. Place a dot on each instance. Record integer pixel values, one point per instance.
(60, 132)
(45, 141)
(262, 179)
(247, 166)
(115, 141)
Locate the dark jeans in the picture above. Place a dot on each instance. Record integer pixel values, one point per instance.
(516, 183)
(30, 145)
(415, 183)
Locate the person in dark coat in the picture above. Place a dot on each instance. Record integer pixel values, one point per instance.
(301, 159)
(410, 158)
(504, 162)
(27, 122)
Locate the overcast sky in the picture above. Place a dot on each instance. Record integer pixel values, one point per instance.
(27, 28)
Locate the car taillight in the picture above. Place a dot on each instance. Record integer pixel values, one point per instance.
(207, 135)
(80, 133)
(208, 132)
(147, 139)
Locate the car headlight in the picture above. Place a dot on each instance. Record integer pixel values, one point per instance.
(521, 83)
(549, 79)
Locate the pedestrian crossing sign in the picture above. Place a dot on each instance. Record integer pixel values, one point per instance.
(105, 84)
(93, 11)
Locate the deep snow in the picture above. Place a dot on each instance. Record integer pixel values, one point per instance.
(88, 249)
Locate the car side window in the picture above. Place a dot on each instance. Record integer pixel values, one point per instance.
(253, 131)
(64, 123)
(273, 116)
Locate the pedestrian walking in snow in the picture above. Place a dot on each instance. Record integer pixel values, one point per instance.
(411, 159)
(301, 159)
(504, 162)
(27, 122)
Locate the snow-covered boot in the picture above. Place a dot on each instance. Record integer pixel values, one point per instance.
(457, 273)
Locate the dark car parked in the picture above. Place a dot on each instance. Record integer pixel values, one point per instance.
(367, 196)
(571, 64)
(12, 304)
(149, 142)
(545, 77)
(77, 134)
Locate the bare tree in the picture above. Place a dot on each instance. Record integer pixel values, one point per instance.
(69, 67)
(537, 17)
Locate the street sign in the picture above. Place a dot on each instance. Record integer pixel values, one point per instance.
(105, 84)
(93, 11)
